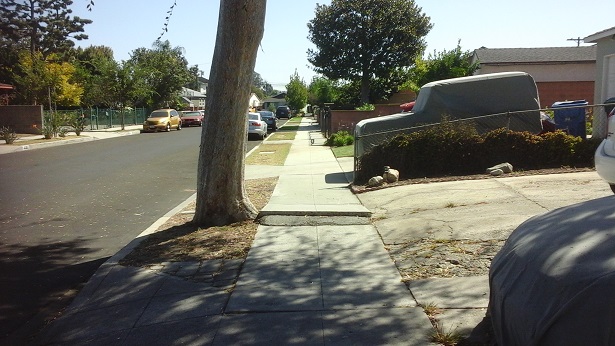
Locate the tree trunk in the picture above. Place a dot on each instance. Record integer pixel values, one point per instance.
(221, 195)
(365, 87)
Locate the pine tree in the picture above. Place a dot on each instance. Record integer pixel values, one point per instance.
(44, 26)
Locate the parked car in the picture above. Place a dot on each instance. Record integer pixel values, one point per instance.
(283, 112)
(270, 119)
(256, 125)
(162, 120)
(605, 154)
(192, 118)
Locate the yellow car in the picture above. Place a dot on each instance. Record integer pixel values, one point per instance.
(162, 120)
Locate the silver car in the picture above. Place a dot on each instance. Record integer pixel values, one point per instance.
(256, 125)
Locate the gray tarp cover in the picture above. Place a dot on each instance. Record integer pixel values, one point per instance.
(461, 98)
(553, 281)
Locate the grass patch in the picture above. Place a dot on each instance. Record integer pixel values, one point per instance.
(269, 154)
(282, 136)
(450, 338)
(345, 151)
(295, 119)
(287, 128)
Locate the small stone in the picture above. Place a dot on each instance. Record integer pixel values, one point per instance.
(390, 175)
(496, 172)
(375, 181)
(504, 167)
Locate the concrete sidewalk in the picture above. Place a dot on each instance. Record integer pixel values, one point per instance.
(321, 280)
(25, 141)
(318, 271)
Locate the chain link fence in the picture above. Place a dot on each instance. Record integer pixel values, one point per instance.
(104, 118)
(578, 120)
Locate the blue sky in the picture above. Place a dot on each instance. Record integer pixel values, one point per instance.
(126, 25)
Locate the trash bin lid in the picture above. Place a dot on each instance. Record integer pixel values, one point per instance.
(569, 103)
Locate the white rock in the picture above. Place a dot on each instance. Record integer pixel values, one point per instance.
(496, 172)
(375, 181)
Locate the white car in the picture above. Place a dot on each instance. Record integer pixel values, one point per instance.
(256, 125)
(605, 154)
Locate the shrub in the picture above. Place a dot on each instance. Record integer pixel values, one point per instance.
(366, 107)
(9, 136)
(78, 123)
(340, 139)
(518, 148)
(62, 131)
(52, 125)
(456, 149)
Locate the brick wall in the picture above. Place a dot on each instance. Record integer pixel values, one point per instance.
(347, 119)
(551, 92)
(22, 119)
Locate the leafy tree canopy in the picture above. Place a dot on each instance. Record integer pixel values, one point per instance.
(359, 40)
(166, 72)
(296, 92)
(40, 25)
(259, 83)
(322, 90)
(442, 65)
(46, 80)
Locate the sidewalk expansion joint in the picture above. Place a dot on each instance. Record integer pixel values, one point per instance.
(312, 220)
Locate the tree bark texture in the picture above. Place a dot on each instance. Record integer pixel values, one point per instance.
(221, 195)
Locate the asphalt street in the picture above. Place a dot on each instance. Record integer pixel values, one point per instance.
(64, 210)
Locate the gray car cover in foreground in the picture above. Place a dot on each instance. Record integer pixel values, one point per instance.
(461, 98)
(553, 281)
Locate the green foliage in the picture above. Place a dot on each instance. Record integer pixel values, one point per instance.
(46, 80)
(77, 122)
(40, 26)
(261, 87)
(439, 66)
(96, 71)
(366, 107)
(164, 70)
(296, 92)
(452, 149)
(53, 125)
(322, 90)
(340, 139)
(9, 136)
(358, 40)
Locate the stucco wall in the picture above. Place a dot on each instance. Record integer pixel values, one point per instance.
(549, 72)
(556, 82)
(22, 119)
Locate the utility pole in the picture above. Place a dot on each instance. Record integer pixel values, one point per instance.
(578, 39)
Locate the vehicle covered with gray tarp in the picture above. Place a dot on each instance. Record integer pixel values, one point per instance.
(506, 99)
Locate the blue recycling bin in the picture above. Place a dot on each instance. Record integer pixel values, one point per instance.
(570, 116)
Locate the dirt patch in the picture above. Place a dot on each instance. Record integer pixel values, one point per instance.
(433, 258)
(364, 188)
(179, 240)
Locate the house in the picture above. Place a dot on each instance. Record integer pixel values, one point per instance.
(605, 75)
(271, 103)
(193, 99)
(561, 73)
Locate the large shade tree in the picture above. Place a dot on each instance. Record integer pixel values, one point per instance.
(296, 92)
(221, 194)
(360, 40)
(41, 25)
(166, 72)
